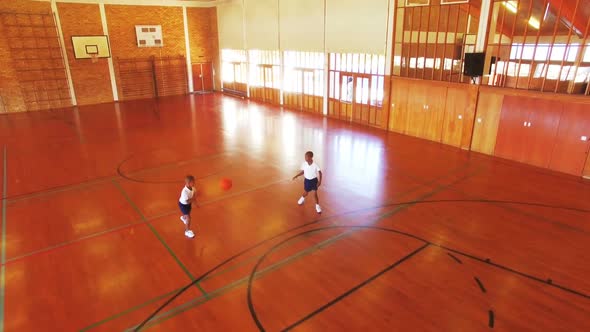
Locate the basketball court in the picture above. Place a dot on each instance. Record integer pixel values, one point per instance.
(413, 236)
(453, 138)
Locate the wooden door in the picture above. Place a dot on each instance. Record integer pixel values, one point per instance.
(398, 116)
(458, 118)
(511, 140)
(416, 110)
(207, 76)
(541, 131)
(487, 121)
(434, 97)
(197, 77)
(573, 140)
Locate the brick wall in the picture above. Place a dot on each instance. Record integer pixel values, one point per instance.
(10, 91)
(123, 19)
(202, 26)
(91, 81)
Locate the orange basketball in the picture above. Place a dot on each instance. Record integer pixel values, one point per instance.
(225, 184)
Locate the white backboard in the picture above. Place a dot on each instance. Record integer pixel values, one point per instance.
(149, 35)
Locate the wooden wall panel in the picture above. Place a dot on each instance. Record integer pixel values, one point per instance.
(511, 140)
(542, 130)
(469, 116)
(586, 172)
(398, 115)
(570, 151)
(415, 110)
(456, 105)
(487, 120)
(434, 98)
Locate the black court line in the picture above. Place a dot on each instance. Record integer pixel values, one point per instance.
(174, 164)
(253, 313)
(102, 179)
(455, 258)
(480, 284)
(184, 289)
(423, 202)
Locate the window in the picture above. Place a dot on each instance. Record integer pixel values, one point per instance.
(431, 37)
(536, 45)
(357, 77)
(304, 72)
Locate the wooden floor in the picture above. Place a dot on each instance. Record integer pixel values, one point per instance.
(415, 236)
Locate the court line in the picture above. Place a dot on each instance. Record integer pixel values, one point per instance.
(332, 302)
(215, 293)
(172, 313)
(480, 284)
(399, 208)
(158, 236)
(505, 205)
(126, 226)
(99, 180)
(455, 258)
(210, 295)
(3, 267)
(390, 213)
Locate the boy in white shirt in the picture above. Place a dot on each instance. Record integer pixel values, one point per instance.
(187, 197)
(313, 180)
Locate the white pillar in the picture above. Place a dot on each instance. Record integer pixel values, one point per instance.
(326, 63)
(189, 66)
(389, 41)
(64, 52)
(482, 31)
(105, 30)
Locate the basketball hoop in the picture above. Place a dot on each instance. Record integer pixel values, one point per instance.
(94, 57)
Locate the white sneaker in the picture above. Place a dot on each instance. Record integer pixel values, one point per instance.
(183, 220)
(189, 234)
(301, 200)
(318, 208)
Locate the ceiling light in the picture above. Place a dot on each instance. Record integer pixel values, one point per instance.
(533, 22)
(511, 6)
(546, 12)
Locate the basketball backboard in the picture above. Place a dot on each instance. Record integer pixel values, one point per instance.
(87, 47)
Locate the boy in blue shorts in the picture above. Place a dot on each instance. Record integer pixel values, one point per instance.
(187, 197)
(313, 180)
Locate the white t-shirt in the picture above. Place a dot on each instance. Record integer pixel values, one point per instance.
(310, 172)
(186, 194)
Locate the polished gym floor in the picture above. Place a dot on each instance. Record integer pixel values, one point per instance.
(414, 235)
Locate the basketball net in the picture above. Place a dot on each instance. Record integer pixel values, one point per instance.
(94, 58)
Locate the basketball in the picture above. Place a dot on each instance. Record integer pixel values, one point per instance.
(225, 184)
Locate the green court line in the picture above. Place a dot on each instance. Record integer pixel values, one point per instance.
(193, 303)
(85, 184)
(67, 243)
(233, 267)
(158, 236)
(3, 259)
(132, 309)
(144, 221)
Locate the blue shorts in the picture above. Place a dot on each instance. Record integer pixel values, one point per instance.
(185, 208)
(310, 185)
